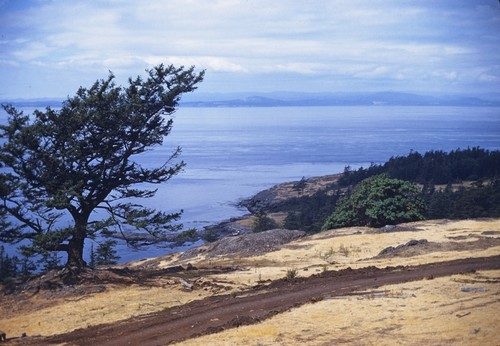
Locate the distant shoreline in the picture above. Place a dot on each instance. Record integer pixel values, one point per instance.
(301, 99)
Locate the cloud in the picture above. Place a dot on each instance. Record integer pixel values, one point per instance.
(205, 62)
(355, 40)
(489, 78)
(446, 75)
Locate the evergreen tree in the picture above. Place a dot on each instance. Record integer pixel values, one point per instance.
(378, 201)
(8, 265)
(67, 163)
(106, 254)
(50, 260)
(93, 257)
(27, 266)
(263, 222)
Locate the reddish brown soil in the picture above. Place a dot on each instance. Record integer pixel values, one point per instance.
(217, 313)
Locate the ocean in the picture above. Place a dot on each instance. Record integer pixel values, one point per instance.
(232, 153)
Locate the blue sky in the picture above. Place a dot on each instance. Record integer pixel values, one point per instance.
(48, 48)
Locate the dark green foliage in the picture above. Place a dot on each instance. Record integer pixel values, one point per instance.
(300, 185)
(308, 213)
(378, 201)
(13, 266)
(50, 260)
(481, 200)
(60, 164)
(353, 177)
(291, 273)
(105, 253)
(189, 235)
(263, 222)
(27, 266)
(210, 236)
(434, 167)
(8, 265)
(93, 257)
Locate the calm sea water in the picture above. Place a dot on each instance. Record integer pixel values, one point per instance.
(232, 153)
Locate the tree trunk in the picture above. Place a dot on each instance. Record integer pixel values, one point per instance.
(76, 244)
(75, 253)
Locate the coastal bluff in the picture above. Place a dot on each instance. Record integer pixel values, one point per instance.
(269, 199)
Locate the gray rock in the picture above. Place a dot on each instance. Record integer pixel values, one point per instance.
(473, 289)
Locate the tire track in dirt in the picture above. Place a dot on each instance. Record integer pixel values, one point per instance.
(217, 313)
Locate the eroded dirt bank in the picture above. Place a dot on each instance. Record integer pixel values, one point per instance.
(222, 312)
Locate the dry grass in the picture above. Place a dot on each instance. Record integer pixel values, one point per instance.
(113, 305)
(395, 317)
(309, 255)
(417, 313)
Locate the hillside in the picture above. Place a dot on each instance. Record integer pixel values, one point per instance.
(417, 283)
(297, 99)
(303, 99)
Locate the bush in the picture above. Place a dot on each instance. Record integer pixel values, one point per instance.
(291, 273)
(263, 222)
(378, 201)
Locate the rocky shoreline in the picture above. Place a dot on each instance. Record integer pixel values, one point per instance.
(267, 200)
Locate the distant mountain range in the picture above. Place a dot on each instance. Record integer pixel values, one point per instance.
(33, 103)
(282, 99)
(300, 99)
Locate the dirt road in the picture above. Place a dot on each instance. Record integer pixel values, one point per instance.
(221, 312)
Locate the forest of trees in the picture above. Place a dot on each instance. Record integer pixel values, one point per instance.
(434, 167)
(463, 183)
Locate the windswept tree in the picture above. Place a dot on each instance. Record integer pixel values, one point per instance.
(73, 173)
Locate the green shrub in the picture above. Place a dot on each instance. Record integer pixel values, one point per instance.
(263, 222)
(378, 201)
(291, 273)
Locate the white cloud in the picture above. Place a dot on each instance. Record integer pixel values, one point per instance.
(446, 75)
(489, 78)
(358, 40)
(377, 72)
(298, 67)
(206, 62)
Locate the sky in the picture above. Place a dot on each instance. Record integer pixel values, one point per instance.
(48, 48)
